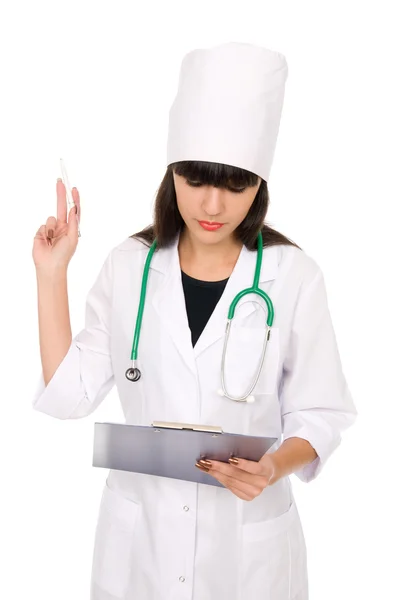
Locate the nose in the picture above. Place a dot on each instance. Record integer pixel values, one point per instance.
(213, 203)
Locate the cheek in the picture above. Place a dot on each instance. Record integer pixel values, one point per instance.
(242, 208)
(182, 207)
(188, 201)
(187, 206)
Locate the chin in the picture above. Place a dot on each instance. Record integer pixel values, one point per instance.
(210, 237)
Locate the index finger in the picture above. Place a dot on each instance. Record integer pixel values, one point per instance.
(61, 202)
(241, 464)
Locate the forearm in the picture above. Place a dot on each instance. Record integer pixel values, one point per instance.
(54, 320)
(293, 454)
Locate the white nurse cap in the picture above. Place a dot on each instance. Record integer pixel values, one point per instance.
(228, 107)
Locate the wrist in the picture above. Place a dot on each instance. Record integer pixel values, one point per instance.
(277, 468)
(272, 467)
(52, 274)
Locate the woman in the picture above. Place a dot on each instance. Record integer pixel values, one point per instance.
(161, 538)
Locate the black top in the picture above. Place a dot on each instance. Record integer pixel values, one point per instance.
(201, 298)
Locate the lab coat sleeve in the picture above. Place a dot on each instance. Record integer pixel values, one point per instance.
(316, 404)
(85, 375)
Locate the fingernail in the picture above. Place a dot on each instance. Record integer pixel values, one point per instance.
(59, 179)
(202, 468)
(233, 461)
(51, 233)
(205, 463)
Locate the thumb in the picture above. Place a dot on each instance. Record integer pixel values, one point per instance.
(73, 222)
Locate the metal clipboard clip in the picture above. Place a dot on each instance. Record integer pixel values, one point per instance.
(187, 426)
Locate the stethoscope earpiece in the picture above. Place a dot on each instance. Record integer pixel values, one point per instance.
(249, 399)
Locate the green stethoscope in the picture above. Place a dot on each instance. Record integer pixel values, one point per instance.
(134, 374)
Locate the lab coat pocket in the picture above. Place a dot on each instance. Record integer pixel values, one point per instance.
(274, 558)
(114, 543)
(243, 354)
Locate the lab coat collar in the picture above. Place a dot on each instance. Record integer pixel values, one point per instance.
(164, 259)
(169, 300)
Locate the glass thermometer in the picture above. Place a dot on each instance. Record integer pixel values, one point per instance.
(70, 200)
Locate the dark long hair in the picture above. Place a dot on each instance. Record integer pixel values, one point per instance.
(167, 220)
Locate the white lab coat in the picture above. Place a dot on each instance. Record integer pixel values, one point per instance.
(164, 539)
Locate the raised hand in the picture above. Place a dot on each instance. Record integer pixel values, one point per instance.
(55, 242)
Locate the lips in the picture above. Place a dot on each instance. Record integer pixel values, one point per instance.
(210, 225)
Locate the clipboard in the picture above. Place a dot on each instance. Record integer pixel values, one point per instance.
(171, 450)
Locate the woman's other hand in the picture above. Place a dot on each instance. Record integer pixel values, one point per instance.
(245, 478)
(55, 242)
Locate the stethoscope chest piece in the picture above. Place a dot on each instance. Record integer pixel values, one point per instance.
(133, 374)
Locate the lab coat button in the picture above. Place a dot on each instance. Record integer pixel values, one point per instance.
(186, 508)
(182, 579)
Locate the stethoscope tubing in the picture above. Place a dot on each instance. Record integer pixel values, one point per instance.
(134, 373)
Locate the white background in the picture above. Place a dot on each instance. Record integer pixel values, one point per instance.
(93, 82)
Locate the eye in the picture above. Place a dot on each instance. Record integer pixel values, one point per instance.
(199, 184)
(238, 191)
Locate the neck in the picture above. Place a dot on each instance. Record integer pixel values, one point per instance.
(208, 261)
